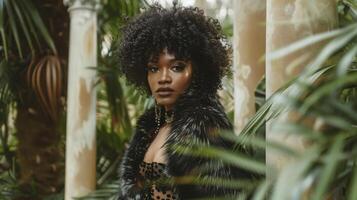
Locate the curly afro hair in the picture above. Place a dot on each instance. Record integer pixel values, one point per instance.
(185, 32)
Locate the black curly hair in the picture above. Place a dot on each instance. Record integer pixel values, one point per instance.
(185, 32)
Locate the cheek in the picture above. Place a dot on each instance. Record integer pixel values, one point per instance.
(187, 82)
(151, 82)
(184, 81)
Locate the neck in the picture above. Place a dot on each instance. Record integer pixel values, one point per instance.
(168, 108)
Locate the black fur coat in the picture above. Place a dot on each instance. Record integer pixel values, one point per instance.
(197, 118)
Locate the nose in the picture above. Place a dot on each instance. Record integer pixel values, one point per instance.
(165, 77)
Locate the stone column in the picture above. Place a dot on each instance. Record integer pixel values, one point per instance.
(248, 62)
(205, 6)
(287, 22)
(81, 102)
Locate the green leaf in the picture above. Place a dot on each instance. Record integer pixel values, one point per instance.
(299, 129)
(262, 191)
(257, 142)
(23, 26)
(346, 61)
(331, 48)
(226, 156)
(352, 188)
(278, 103)
(258, 119)
(1, 14)
(214, 181)
(13, 26)
(108, 191)
(329, 169)
(2, 32)
(344, 108)
(36, 18)
(32, 27)
(308, 41)
(327, 89)
(291, 175)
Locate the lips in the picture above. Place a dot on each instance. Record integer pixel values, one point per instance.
(164, 92)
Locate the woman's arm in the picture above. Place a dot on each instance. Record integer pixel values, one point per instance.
(130, 186)
(128, 171)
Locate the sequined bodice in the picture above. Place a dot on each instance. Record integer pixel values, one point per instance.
(152, 172)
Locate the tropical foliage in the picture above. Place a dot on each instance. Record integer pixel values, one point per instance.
(31, 45)
(37, 29)
(31, 89)
(324, 95)
(115, 99)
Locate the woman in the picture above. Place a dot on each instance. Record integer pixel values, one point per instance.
(178, 56)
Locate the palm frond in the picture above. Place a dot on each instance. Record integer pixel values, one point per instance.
(9, 187)
(108, 191)
(352, 189)
(18, 20)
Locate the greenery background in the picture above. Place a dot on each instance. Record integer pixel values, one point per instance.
(32, 122)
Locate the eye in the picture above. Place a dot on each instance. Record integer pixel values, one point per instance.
(152, 69)
(178, 67)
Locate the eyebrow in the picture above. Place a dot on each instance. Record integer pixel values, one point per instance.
(170, 61)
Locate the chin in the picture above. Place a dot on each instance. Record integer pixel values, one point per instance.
(165, 101)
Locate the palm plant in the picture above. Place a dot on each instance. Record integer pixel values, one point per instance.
(114, 124)
(115, 97)
(325, 92)
(31, 88)
(327, 166)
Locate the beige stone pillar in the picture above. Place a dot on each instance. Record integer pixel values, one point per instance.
(81, 103)
(204, 5)
(287, 22)
(201, 4)
(249, 49)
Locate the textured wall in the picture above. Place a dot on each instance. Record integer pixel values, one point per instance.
(249, 49)
(287, 22)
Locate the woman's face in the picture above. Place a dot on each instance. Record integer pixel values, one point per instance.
(168, 78)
